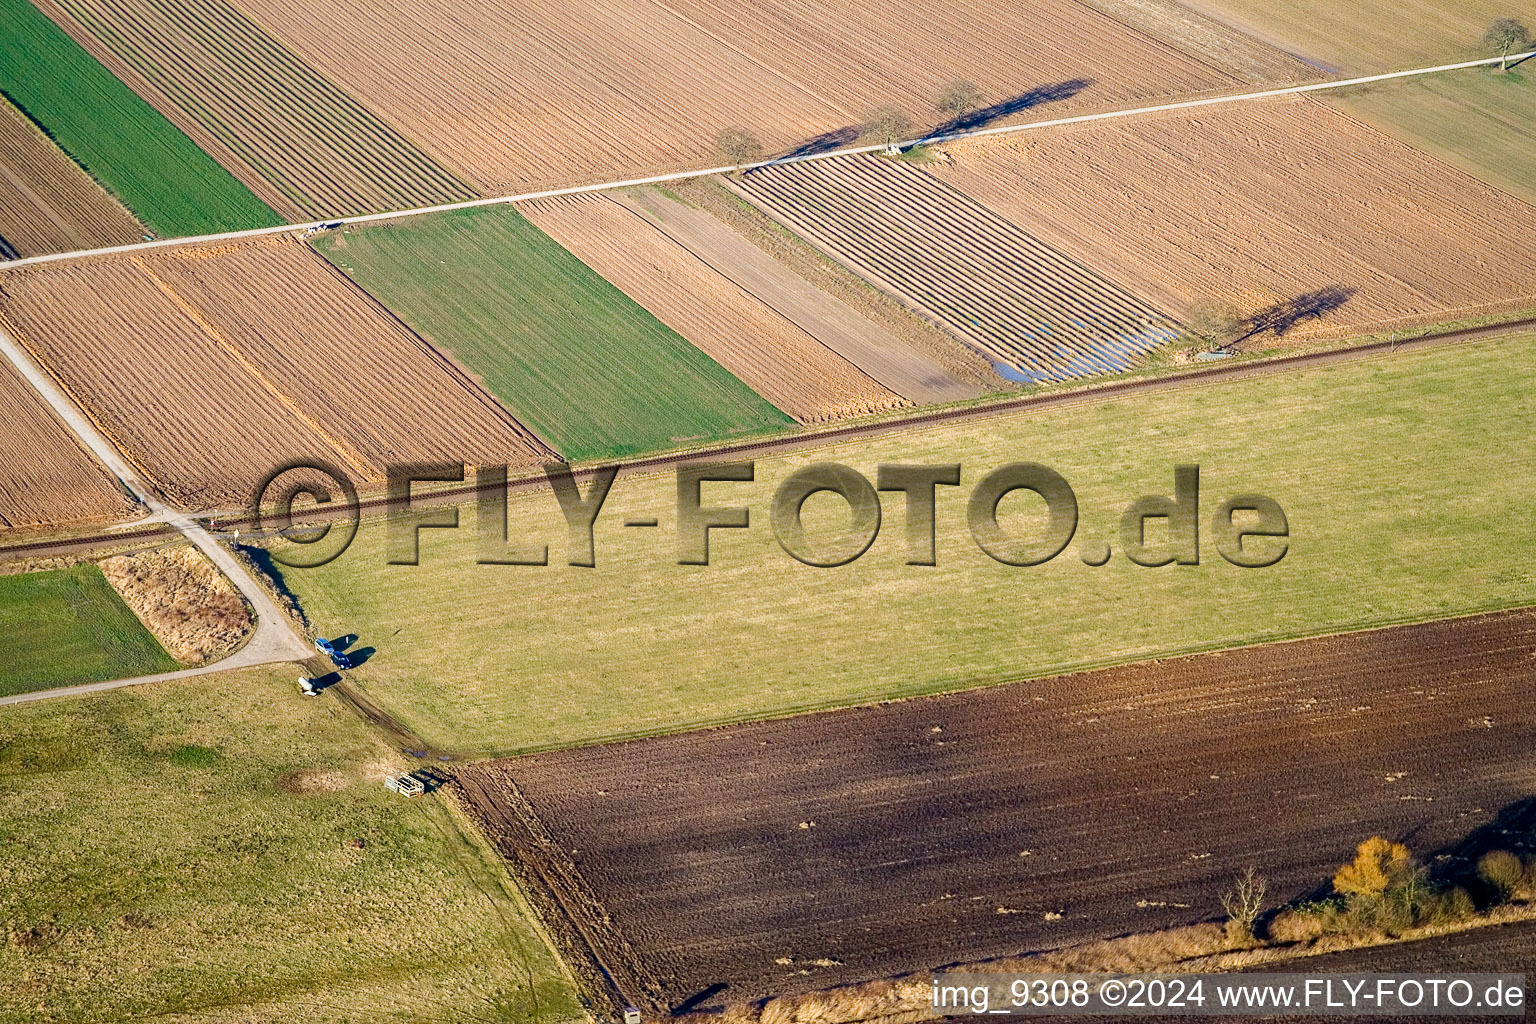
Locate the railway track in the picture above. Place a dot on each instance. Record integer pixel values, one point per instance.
(832, 435)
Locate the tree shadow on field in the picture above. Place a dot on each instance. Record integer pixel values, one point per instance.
(699, 998)
(1512, 829)
(837, 138)
(1038, 96)
(1283, 317)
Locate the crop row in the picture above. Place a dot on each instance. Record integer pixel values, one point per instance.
(320, 151)
(1008, 294)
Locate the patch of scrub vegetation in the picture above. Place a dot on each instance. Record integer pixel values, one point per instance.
(571, 355)
(147, 162)
(68, 626)
(148, 890)
(1406, 479)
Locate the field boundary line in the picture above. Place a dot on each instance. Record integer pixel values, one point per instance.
(920, 417)
(660, 226)
(274, 641)
(661, 179)
(194, 314)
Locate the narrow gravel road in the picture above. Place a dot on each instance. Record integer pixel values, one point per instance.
(275, 640)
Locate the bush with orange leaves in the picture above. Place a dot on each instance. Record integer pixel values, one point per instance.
(1385, 890)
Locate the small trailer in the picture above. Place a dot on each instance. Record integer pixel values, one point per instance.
(307, 687)
(405, 785)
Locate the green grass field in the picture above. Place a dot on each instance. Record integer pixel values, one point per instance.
(572, 356)
(224, 850)
(1407, 480)
(69, 626)
(1368, 36)
(155, 170)
(1481, 121)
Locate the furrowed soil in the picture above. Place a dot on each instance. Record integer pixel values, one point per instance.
(1405, 478)
(960, 368)
(298, 141)
(768, 353)
(46, 476)
(570, 354)
(47, 203)
(156, 171)
(904, 369)
(1308, 221)
(212, 367)
(801, 853)
(1363, 36)
(1010, 296)
(1480, 121)
(519, 96)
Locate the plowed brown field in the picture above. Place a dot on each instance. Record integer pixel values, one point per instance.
(806, 852)
(47, 203)
(515, 96)
(888, 359)
(210, 367)
(1010, 296)
(304, 146)
(769, 354)
(1263, 205)
(46, 476)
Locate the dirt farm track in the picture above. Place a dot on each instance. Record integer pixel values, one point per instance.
(798, 854)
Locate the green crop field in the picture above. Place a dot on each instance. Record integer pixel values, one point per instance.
(224, 850)
(1407, 480)
(69, 626)
(155, 170)
(572, 356)
(1368, 36)
(1482, 121)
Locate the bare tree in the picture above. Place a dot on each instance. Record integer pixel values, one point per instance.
(1506, 36)
(738, 145)
(958, 98)
(1244, 902)
(1216, 321)
(887, 125)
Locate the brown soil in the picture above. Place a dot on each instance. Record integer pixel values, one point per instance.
(877, 353)
(46, 476)
(1239, 54)
(305, 147)
(1005, 293)
(210, 367)
(827, 275)
(517, 96)
(195, 613)
(1257, 205)
(771, 355)
(47, 202)
(312, 781)
(798, 854)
